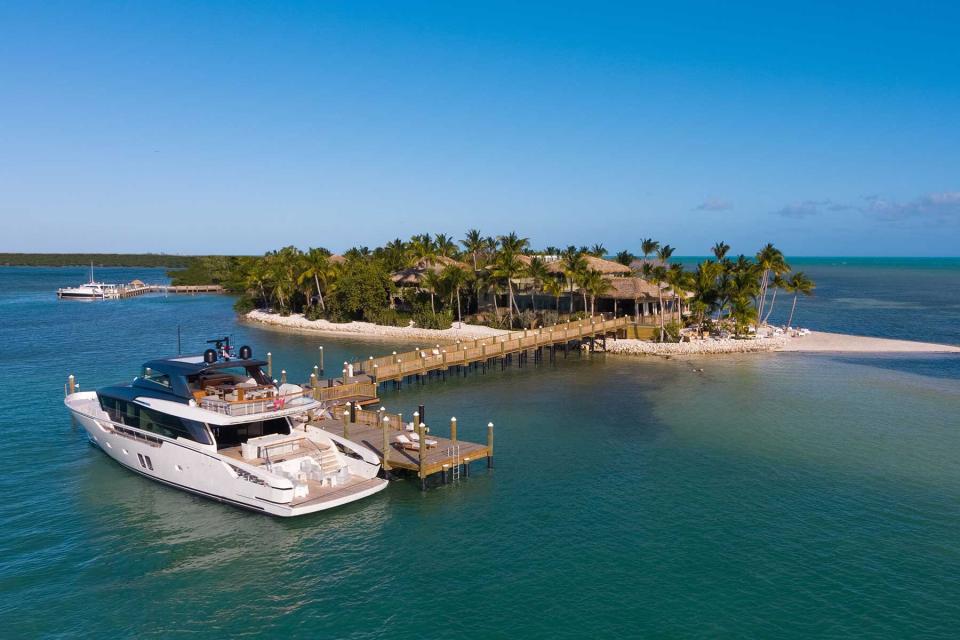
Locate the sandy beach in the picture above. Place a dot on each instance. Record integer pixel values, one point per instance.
(842, 343)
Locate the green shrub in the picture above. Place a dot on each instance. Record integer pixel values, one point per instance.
(363, 291)
(671, 332)
(388, 317)
(428, 320)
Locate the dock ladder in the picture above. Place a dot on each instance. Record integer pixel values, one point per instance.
(453, 453)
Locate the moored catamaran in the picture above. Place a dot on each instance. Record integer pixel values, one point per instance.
(92, 290)
(217, 426)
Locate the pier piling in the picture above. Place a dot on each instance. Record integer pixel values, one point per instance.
(489, 445)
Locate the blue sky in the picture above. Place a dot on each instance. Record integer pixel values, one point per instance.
(239, 127)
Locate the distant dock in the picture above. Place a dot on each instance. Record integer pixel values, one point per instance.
(133, 290)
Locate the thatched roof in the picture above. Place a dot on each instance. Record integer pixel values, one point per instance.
(606, 267)
(632, 289)
(336, 258)
(637, 265)
(413, 274)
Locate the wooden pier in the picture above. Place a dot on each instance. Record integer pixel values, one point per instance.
(419, 362)
(130, 291)
(395, 441)
(392, 440)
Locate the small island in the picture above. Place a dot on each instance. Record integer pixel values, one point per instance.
(435, 287)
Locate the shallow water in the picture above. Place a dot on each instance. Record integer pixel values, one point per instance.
(771, 495)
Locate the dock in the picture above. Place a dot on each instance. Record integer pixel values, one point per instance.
(393, 439)
(133, 290)
(441, 358)
(388, 436)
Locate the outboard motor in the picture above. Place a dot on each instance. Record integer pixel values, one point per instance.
(246, 352)
(210, 356)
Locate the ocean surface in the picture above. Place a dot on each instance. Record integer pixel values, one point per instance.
(771, 495)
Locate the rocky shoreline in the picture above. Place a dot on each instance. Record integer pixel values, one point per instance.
(699, 347)
(298, 322)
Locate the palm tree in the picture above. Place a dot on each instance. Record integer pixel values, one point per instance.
(257, 278)
(473, 244)
(445, 246)
(744, 290)
(316, 266)
(648, 246)
(282, 266)
(554, 287)
(625, 258)
(454, 278)
(433, 283)
(720, 250)
(598, 250)
(797, 284)
(664, 253)
(508, 266)
(422, 249)
(596, 285)
(395, 255)
(681, 282)
(537, 271)
(778, 283)
(513, 243)
(657, 275)
(771, 260)
(705, 290)
(574, 264)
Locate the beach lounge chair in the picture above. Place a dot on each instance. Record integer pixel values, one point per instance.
(403, 442)
(415, 437)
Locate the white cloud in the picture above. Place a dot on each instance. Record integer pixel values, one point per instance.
(714, 204)
(934, 207)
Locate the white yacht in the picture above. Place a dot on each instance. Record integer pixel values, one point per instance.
(217, 426)
(92, 290)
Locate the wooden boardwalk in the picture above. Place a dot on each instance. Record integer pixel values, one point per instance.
(462, 353)
(129, 291)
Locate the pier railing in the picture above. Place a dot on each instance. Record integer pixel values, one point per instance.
(349, 390)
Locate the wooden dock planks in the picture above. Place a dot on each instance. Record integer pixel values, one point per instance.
(370, 435)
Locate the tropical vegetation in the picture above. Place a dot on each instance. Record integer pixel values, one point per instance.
(434, 280)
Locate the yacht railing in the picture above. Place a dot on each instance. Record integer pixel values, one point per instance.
(254, 406)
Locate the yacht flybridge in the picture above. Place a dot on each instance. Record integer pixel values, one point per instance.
(217, 426)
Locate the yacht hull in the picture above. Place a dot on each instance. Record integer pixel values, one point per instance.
(199, 470)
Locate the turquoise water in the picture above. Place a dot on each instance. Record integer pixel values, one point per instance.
(774, 495)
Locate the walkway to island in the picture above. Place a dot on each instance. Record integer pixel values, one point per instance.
(419, 362)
